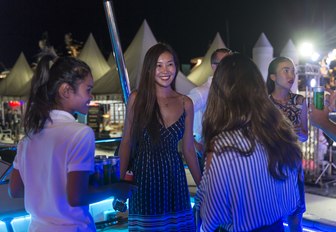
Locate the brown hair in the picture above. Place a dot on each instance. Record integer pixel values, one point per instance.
(272, 69)
(146, 108)
(238, 100)
(44, 87)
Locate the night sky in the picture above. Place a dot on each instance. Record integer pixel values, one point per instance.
(188, 25)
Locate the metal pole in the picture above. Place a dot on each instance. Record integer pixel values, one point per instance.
(117, 51)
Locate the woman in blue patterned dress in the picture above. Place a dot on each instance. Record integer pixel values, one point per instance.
(280, 79)
(157, 118)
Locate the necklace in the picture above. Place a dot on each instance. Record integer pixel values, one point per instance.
(164, 102)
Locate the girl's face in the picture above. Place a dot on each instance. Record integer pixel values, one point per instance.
(285, 75)
(165, 70)
(79, 100)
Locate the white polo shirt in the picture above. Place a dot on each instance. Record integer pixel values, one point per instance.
(44, 160)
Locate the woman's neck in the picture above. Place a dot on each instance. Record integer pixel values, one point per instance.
(164, 92)
(281, 96)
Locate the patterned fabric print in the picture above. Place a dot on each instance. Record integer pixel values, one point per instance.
(162, 202)
(292, 109)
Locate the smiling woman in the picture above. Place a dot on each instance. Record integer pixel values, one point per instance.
(165, 72)
(56, 156)
(157, 118)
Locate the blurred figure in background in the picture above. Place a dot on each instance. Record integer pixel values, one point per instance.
(280, 79)
(199, 96)
(16, 126)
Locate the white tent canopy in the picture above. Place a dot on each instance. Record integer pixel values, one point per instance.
(18, 81)
(134, 56)
(183, 85)
(108, 84)
(92, 55)
(111, 60)
(135, 53)
(200, 74)
(262, 54)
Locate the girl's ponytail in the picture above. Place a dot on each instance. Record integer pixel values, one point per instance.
(38, 105)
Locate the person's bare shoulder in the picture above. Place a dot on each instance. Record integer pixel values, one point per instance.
(187, 100)
(188, 103)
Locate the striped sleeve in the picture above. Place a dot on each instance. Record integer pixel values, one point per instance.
(215, 209)
(238, 193)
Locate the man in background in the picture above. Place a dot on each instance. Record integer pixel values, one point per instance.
(199, 96)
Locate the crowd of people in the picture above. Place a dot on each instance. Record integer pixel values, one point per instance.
(246, 132)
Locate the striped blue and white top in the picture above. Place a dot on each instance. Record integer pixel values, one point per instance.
(238, 193)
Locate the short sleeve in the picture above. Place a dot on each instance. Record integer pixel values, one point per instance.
(81, 157)
(17, 159)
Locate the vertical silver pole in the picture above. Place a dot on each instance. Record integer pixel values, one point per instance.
(117, 51)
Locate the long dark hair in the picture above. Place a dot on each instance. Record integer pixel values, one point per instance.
(50, 73)
(238, 100)
(272, 69)
(146, 108)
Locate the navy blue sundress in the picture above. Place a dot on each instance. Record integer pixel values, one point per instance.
(162, 201)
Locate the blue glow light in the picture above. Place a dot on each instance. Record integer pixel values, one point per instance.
(304, 229)
(100, 211)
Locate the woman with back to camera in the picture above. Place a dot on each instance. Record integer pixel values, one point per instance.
(249, 182)
(280, 79)
(56, 156)
(157, 118)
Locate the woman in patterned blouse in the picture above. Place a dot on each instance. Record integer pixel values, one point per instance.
(280, 79)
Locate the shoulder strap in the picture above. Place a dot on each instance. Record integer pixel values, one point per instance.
(183, 102)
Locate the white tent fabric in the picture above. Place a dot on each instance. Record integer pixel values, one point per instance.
(18, 81)
(111, 60)
(134, 56)
(135, 53)
(108, 84)
(262, 54)
(183, 85)
(92, 55)
(200, 74)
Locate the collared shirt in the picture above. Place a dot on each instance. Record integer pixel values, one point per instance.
(238, 193)
(44, 160)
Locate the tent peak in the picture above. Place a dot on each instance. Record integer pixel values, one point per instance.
(262, 41)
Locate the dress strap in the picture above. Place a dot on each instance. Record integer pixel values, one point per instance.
(183, 101)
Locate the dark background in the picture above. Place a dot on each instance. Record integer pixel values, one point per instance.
(188, 25)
